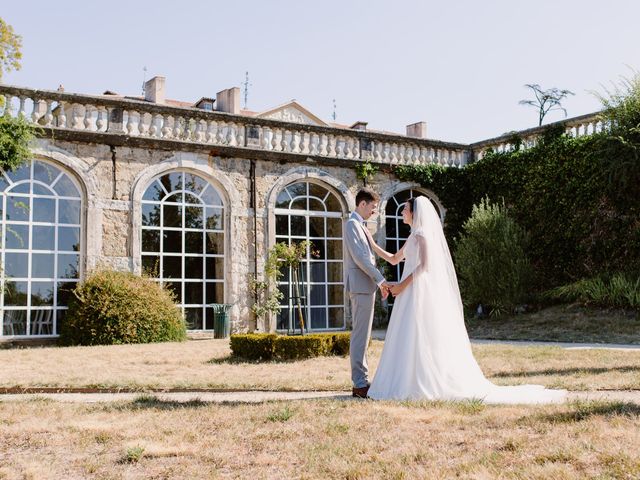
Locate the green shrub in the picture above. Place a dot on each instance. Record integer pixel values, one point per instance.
(269, 346)
(253, 346)
(618, 290)
(490, 256)
(113, 307)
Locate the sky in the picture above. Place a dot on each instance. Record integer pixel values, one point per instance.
(459, 65)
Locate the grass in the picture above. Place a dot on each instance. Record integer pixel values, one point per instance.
(206, 364)
(565, 323)
(318, 439)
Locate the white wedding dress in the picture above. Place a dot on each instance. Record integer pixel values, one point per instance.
(427, 354)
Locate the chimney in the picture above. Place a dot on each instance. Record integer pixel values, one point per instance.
(154, 90)
(228, 100)
(417, 130)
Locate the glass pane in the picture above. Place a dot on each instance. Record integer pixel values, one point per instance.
(154, 192)
(318, 249)
(43, 238)
(316, 227)
(336, 317)
(44, 172)
(69, 211)
(214, 219)
(15, 293)
(297, 189)
(282, 225)
(318, 272)
(60, 318)
(150, 241)
(336, 294)
(211, 197)
(318, 318)
(215, 243)
(42, 322)
(4, 183)
(69, 239)
(41, 190)
(42, 265)
(215, 292)
(298, 226)
(175, 198)
(193, 242)
(68, 265)
(14, 322)
(65, 294)
(172, 267)
(334, 227)
(334, 270)
(18, 208)
(318, 294)
(176, 289)
(299, 204)
(193, 293)
(209, 318)
(284, 289)
(316, 205)
(66, 188)
(332, 203)
(172, 216)
(23, 187)
(191, 199)
(22, 173)
(17, 236)
(44, 210)
(194, 183)
(318, 191)
(283, 319)
(41, 293)
(215, 268)
(390, 229)
(150, 215)
(16, 265)
(172, 241)
(283, 200)
(194, 318)
(404, 230)
(193, 267)
(193, 217)
(334, 249)
(172, 181)
(403, 196)
(391, 207)
(151, 265)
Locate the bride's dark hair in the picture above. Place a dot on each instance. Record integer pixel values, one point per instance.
(412, 202)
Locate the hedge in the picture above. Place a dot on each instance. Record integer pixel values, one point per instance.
(269, 346)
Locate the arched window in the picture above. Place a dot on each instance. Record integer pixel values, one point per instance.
(41, 249)
(183, 242)
(309, 211)
(396, 230)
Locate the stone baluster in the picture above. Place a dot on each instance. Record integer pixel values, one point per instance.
(141, 127)
(167, 127)
(89, 118)
(177, 127)
(221, 134)
(295, 142)
(339, 147)
(314, 143)
(231, 135)
(212, 127)
(155, 129)
(48, 116)
(323, 144)
(76, 118)
(346, 147)
(393, 154)
(241, 135)
(355, 150)
(200, 131)
(267, 138)
(38, 110)
(188, 134)
(286, 141)
(22, 110)
(276, 142)
(331, 146)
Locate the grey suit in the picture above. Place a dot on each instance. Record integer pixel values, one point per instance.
(361, 279)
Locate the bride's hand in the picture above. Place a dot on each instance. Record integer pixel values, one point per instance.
(395, 289)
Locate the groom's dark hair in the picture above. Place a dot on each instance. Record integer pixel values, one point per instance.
(367, 195)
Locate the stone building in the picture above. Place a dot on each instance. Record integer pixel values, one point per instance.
(193, 195)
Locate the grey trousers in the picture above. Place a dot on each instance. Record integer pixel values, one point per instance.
(362, 319)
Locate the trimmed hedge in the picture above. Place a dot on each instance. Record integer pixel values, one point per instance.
(269, 346)
(113, 307)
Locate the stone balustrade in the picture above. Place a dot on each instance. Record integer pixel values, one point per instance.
(136, 119)
(576, 127)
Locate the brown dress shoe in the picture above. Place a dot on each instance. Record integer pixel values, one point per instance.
(360, 392)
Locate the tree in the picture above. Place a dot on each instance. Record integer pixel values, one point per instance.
(546, 100)
(10, 48)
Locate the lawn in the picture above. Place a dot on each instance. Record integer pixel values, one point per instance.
(318, 439)
(207, 364)
(562, 323)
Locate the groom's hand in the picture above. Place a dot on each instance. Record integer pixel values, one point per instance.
(384, 290)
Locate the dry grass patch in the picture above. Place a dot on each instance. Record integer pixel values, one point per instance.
(318, 439)
(207, 364)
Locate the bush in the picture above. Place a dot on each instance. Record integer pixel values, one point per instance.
(618, 290)
(113, 307)
(269, 346)
(492, 264)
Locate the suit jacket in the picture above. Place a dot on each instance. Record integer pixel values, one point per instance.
(360, 272)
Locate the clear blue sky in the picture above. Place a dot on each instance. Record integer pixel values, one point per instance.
(458, 65)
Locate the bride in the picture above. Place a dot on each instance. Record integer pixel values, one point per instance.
(427, 354)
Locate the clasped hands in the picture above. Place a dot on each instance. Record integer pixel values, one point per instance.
(387, 288)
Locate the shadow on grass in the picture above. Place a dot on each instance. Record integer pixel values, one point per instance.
(567, 371)
(584, 410)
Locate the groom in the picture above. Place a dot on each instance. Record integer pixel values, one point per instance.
(362, 278)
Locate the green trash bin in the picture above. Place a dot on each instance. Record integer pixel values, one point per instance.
(221, 324)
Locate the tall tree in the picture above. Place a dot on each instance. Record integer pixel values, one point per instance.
(10, 48)
(546, 100)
